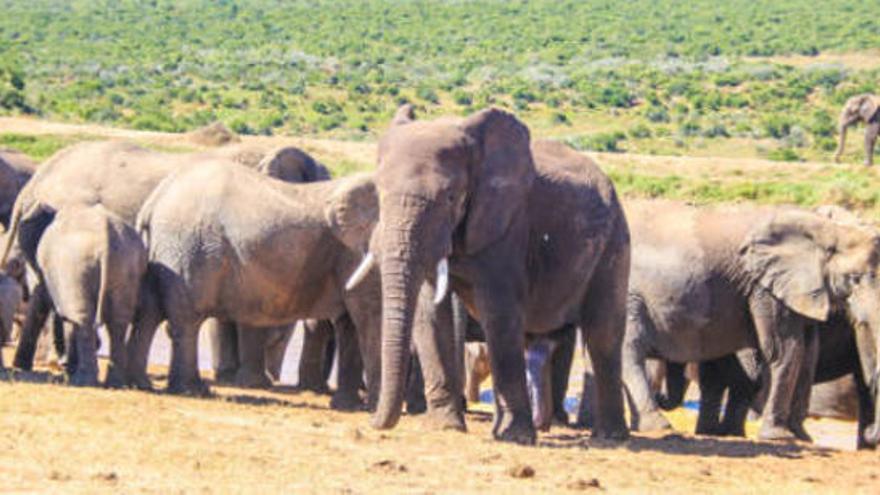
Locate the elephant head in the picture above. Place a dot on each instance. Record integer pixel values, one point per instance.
(447, 188)
(861, 108)
(817, 266)
(292, 165)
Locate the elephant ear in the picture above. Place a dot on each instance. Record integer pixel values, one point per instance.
(292, 164)
(353, 210)
(868, 108)
(501, 178)
(404, 115)
(786, 256)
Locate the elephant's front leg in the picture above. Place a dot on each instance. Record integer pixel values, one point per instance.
(39, 307)
(804, 385)
(317, 335)
(147, 319)
(712, 386)
(118, 356)
(644, 412)
(781, 336)
(350, 366)
(561, 371)
(252, 357)
(434, 337)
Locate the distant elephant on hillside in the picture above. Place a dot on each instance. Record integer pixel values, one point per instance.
(861, 108)
(92, 264)
(120, 176)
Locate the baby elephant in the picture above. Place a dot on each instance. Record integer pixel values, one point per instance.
(92, 264)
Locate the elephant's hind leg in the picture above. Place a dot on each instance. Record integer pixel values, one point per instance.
(116, 371)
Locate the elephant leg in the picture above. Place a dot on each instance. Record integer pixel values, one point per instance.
(276, 349)
(744, 381)
(416, 403)
(539, 356)
(566, 339)
(147, 318)
(313, 356)
(252, 357)
(118, 356)
(781, 337)
(225, 351)
(712, 386)
(350, 367)
(866, 410)
(804, 385)
(434, 338)
(643, 410)
(871, 133)
(39, 307)
(183, 377)
(86, 345)
(676, 386)
(474, 355)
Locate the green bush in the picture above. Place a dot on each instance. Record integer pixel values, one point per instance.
(784, 155)
(603, 141)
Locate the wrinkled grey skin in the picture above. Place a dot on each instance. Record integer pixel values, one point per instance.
(15, 170)
(535, 239)
(235, 352)
(117, 175)
(92, 264)
(862, 108)
(231, 243)
(742, 376)
(710, 281)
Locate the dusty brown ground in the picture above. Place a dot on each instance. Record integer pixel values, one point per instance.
(59, 439)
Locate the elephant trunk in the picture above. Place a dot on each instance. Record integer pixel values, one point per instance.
(868, 344)
(402, 277)
(676, 384)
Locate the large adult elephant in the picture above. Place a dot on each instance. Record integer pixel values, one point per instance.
(15, 170)
(862, 108)
(707, 282)
(531, 236)
(229, 242)
(120, 176)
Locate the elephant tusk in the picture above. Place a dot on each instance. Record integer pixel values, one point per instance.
(362, 270)
(442, 281)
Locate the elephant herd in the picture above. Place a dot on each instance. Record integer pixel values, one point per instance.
(467, 229)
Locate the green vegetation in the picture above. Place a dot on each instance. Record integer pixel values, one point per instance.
(745, 79)
(670, 76)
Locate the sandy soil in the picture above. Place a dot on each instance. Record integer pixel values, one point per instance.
(62, 439)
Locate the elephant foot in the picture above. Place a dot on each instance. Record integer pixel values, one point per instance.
(251, 379)
(114, 378)
(446, 420)
(519, 429)
(23, 363)
(416, 406)
(800, 433)
(346, 402)
(651, 421)
(140, 381)
(225, 376)
(560, 418)
(616, 431)
(188, 386)
(776, 433)
(84, 379)
(322, 389)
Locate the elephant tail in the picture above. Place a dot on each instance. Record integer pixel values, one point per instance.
(103, 289)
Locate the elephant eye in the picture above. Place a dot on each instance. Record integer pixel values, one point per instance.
(855, 278)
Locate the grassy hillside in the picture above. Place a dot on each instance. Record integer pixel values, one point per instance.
(739, 78)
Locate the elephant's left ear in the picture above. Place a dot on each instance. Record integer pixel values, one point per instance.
(787, 256)
(501, 178)
(353, 210)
